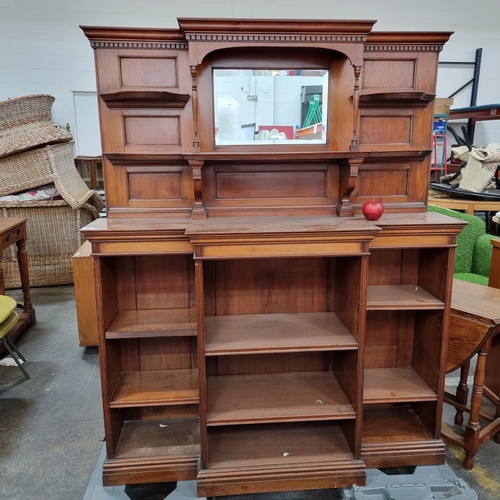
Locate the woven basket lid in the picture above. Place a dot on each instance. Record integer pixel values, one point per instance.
(26, 123)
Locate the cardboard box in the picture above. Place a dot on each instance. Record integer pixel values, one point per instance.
(440, 124)
(442, 105)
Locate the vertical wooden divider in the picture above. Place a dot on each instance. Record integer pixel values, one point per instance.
(200, 316)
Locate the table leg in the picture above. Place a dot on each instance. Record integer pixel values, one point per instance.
(2, 284)
(473, 431)
(22, 260)
(462, 393)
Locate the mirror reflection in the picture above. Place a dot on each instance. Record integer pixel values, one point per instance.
(270, 106)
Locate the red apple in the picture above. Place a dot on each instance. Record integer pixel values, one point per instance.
(373, 210)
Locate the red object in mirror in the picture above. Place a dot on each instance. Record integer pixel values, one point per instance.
(373, 210)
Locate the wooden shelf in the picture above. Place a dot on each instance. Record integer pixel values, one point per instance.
(153, 323)
(415, 100)
(278, 457)
(159, 438)
(145, 99)
(264, 445)
(394, 435)
(274, 333)
(276, 397)
(400, 297)
(156, 388)
(395, 385)
(392, 424)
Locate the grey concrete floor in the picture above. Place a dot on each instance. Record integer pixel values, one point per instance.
(51, 438)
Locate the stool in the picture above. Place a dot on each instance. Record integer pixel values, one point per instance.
(8, 319)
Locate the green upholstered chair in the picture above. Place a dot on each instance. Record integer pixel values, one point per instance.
(8, 319)
(473, 254)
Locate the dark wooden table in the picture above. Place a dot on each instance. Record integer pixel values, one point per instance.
(474, 323)
(13, 230)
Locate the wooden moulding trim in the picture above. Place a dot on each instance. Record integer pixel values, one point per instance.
(273, 156)
(393, 41)
(420, 229)
(145, 99)
(276, 250)
(131, 159)
(132, 471)
(411, 448)
(148, 239)
(408, 156)
(415, 100)
(275, 30)
(391, 205)
(342, 472)
(309, 156)
(145, 248)
(134, 38)
(147, 212)
(403, 48)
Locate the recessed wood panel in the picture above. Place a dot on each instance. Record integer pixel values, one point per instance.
(148, 72)
(389, 74)
(381, 339)
(385, 129)
(152, 130)
(155, 186)
(385, 267)
(163, 283)
(283, 184)
(270, 286)
(169, 354)
(383, 183)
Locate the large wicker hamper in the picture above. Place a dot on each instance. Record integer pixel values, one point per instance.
(53, 237)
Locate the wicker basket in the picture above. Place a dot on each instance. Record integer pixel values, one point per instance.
(47, 165)
(26, 123)
(53, 237)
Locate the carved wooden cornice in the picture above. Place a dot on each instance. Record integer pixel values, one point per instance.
(135, 38)
(297, 27)
(275, 38)
(274, 30)
(138, 45)
(394, 41)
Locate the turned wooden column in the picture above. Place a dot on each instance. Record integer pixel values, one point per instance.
(473, 431)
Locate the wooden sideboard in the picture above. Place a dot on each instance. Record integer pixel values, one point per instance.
(256, 332)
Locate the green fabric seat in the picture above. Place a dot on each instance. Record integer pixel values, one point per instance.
(8, 319)
(7, 305)
(473, 254)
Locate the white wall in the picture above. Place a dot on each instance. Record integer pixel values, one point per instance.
(42, 49)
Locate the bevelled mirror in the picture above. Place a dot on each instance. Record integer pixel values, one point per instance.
(270, 106)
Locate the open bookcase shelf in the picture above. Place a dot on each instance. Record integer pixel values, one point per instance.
(156, 388)
(260, 333)
(395, 385)
(256, 332)
(153, 323)
(158, 438)
(276, 397)
(380, 297)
